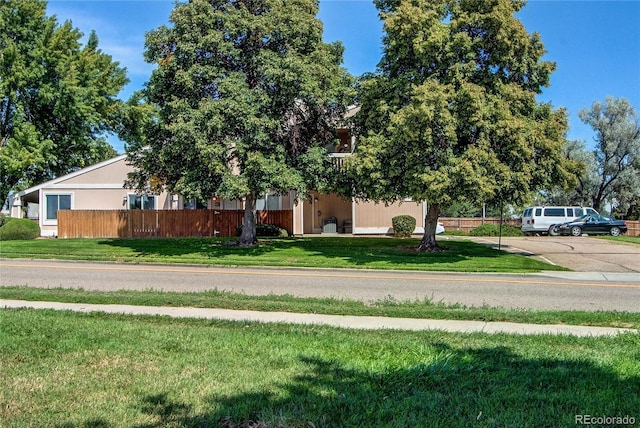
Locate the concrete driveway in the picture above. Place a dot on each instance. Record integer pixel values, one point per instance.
(581, 254)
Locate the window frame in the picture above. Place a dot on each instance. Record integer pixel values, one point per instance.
(134, 195)
(265, 200)
(46, 220)
(194, 204)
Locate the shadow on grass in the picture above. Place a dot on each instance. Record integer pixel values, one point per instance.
(93, 423)
(320, 252)
(175, 247)
(483, 387)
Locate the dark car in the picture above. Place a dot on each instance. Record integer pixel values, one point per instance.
(592, 224)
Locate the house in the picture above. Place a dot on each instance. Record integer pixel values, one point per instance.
(317, 214)
(101, 187)
(97, 187)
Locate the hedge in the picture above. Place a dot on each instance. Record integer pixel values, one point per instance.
(266, 230)
(494, 230)
(19, 228)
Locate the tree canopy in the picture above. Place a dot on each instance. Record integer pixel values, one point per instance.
(58, 99)
(451, 113)
(247, 96)
(615, 174)
(609, 172)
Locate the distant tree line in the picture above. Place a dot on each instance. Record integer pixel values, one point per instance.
(609, 178)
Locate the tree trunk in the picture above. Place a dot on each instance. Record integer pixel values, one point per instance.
(428, 243)
(248, 236)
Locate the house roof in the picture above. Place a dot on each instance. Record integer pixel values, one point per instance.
(352, 111)
(65, 177)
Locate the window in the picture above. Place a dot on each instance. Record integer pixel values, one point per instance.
(142, 202)
(554, 212)
(538, 212)
(55, 203)
(193, 204)
(270, 201)
(570, 212)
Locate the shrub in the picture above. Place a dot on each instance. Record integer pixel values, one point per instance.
(19, 228)
(403, 225)
(3, 219)
(266, 230)
(455, 232)
(494, 230)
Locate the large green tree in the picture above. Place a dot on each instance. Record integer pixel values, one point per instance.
(451, 114)
(57, 98)
(582, 164)
(614, 173)
(608, 173)
(247, 97)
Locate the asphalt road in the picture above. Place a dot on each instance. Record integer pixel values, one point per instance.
(562, 291)
(581, 254)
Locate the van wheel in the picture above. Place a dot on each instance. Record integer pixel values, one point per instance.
(614, 231)
(553, 231)
(576, 231)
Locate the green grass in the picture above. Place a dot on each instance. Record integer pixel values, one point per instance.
(385, 308)
(62, 369)
(342, 252)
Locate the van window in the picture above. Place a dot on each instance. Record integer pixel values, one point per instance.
(569, 212)
(591, 211)
(554, 212)
(527, 213)
(538, 212)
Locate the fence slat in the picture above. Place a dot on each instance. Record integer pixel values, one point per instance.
(161, 223)
(182, 223)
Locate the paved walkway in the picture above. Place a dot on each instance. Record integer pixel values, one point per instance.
(354, 322)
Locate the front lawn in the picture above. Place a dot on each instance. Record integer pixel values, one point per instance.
(334, 252)
(63, 369)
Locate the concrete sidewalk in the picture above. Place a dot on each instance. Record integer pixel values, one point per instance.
(352, 322)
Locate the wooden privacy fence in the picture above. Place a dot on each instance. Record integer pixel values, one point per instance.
(161, 223)
(467, 224)
(633, 228)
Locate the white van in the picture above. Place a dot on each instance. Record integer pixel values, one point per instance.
(536, 220)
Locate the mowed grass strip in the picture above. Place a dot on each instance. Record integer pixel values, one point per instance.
(425, 309)
(64, 369)
(337, 252)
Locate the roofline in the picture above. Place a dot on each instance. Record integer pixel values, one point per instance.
(70, 175)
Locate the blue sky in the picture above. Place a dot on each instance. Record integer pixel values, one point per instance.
(595, 43)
